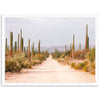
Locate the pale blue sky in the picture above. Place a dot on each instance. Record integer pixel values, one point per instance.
(51, 31)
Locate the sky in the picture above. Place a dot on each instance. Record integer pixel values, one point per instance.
(52, 31)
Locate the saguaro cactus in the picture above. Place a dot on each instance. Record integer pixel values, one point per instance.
(33, 48)
(31, 52)
(29, 49)
(87, 39)
(80, 47)
(70, 50)
(6, 48)
(39, 47)
(22, 45)
(20, 40)
(18, 44)
(73, 46)
(65, 48)
(11, 43)
(15, 47)
(88, 43)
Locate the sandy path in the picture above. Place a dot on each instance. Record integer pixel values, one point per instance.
(50, 71)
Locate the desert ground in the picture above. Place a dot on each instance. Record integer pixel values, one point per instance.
(50, 71)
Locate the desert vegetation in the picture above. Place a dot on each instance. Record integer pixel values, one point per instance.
(48, 62)
(19, 56)
(83, 59)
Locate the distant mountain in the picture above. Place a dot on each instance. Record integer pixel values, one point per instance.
(60, 48)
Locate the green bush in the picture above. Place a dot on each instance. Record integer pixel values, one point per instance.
(27, 64)
(82, 65)
(62, 55)
(33, 62)
(86, 62)
(91, 55)
(56, 54)
(77, 66)
(12, 66)
(40, 57)
(46, 54)
(92, 72)
(92, 65)
(73, 65)
(15, 63)
(85, 68)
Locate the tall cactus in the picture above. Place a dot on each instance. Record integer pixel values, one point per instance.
(87, 39)
(39, 47)
(22, 45)
(15, 47)
(20, 40)
(88, 43)
(29, 49)
(65, 48)
(73, 46)
(11, 43)
(33, 49)
(6, 48)
(70, 50)
(31, 52)
(80, 47)
(18, 44)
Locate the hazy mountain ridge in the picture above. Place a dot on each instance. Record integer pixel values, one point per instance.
(60, 48)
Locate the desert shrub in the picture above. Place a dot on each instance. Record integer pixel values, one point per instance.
(6, 53)
(91, 55)
(77, 66)
(12, 66)
(92, 65)
(56, 54)
(85, 68)
(26, 54)
(19, 58)
(86, 62)
(27, 64)
(46, 54)
(67, 53)
(40, 57)
(15, 63)
(35, 52)
(92, 72)
(60, 60)
(66, 57)
(79, 55)
(33, 62)
(82, 65)
(62, 55)
(73, 64)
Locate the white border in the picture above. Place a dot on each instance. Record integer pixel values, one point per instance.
(51, 84)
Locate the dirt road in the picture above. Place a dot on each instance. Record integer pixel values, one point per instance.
(50, 71)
